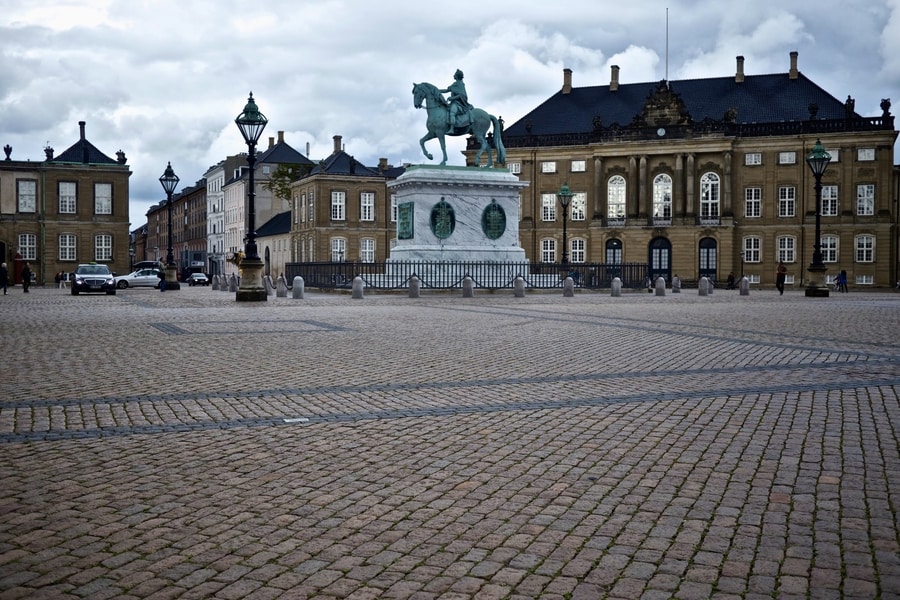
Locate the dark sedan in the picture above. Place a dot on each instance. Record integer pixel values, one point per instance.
(93, 278)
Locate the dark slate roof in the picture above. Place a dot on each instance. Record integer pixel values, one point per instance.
(277, 225)
(341, 163)
(84, 152)
(758, 99)
(282, 154)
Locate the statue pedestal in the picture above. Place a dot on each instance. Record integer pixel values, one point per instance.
(251, 288)
(457, 214)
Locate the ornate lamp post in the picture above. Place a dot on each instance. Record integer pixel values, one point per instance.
(251, 122)
(564, 195)
(742, 264)
(169, 181)
(817, 160)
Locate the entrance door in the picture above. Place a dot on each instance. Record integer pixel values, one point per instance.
(708, 259)
(660, 260)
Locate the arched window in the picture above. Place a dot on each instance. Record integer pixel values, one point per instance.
(709, 197)
(615, 198)
(662, 197)
(614, 252)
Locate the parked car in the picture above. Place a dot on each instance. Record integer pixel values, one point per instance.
(198, 279)
(92, 277)
(141, 277)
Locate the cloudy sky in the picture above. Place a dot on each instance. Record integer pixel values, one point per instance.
(163, 80)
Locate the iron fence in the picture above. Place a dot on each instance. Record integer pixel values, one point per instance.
(449, 275)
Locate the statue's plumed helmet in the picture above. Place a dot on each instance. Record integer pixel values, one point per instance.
(458, 74)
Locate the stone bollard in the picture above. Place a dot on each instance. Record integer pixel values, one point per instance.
(711, 286)
(224, 285)
(568, 287)
(660, 286)
(267, 283)
(468, 287)
(745, 286)
(297, 290)
(676, 285)
(703, 286)
(616, 288)
(357, 290)
(215, 282)
(281, 289)
(233, 284)
(415, 287)
(519, 287)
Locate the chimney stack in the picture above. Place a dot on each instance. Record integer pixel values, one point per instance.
(567, 81)
(271, 141)
(794, 73)
(337, 143)
(280, 137)
(614, 78)
(739, 76)
(81, 125)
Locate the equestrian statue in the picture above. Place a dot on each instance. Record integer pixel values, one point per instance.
(455, 116)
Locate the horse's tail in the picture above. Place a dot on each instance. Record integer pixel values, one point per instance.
(498, 141)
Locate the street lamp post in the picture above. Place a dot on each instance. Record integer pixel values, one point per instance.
(742, 263)
(169, 181)
(817, 160)
(251, 122)
(564, 195)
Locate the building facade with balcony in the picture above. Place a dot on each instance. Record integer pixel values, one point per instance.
(708, 176)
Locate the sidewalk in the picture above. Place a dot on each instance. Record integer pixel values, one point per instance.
(184, 446)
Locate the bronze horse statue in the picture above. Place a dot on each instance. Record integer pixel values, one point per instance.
(439, 124)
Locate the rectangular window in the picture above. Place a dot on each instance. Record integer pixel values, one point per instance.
(829, 248)
(312, 206)
(753, 158)
(338, 249)
(67, 247)
(865, 154)
(367, 206)
(865, 280)
(338, 206)
(66, 197)
(752, 249)
(26, 195)
(393, 208)
(28, 246)
(515, 168)
(835, 154)
(548, 166)
(367, 250)
(548, 250)
(787, 201)
(787, 158)
(865, 199)
(103, 250)
(102, 198)
(865, 248)
(548, 207)
(578, 166)
(753, 202)
(577, 250)
(829, 201)
(577, 208)
(786, 248)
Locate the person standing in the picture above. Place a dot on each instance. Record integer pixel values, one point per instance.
(26, 277)
(842, 281)
(780, 276)
(4, 277)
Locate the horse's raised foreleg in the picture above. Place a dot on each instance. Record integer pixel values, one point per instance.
(429, 136)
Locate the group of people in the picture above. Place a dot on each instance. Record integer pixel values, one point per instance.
(26, 277)
(840, 282)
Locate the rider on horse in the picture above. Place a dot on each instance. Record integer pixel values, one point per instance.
(458, 100)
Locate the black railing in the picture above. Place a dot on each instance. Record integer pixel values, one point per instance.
(446, 275)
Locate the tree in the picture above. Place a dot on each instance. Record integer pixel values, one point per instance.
(280, 179)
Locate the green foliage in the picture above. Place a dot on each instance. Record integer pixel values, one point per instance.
(280, 180)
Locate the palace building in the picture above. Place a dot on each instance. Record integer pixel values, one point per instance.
(704, 177)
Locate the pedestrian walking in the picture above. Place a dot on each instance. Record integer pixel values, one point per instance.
(4, 277)
(780, 276)
(842, 281)
(26, 277)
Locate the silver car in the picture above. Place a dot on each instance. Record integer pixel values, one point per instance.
(140, 278)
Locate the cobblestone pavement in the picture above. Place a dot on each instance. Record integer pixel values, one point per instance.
(181, 445)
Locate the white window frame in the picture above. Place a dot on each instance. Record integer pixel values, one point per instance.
(393, 208)
(788, 157)
(865, 280)
(68, 247)
(311, 207)
(864, 248)
(103, 247)
(28, 246)
(787, 201)
(830, 201)
(578, 207)
(515, 168)
(865, 199)
(662, 196)
(548, 250)
(753, 202)
(752, 245)
(786, 248)
(548, 208)
(616, 188)
(68, 197)
(103, 198)
(338, 249)
(548, 166)
(753, 159)
(577, 250)
(710, 195)
(835, 154)
(578, 166)
(367, 206)
(829, 246)
(367, 250)
(338, 206)
(865, 154)
(26, 196)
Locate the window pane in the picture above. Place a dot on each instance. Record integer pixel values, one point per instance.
(103, 198)
(66, 197)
